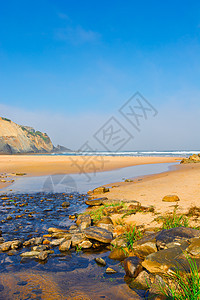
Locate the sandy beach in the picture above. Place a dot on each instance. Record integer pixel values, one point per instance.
(38, 165)
(148, 190)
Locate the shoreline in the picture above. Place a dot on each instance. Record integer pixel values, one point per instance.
(48, 165)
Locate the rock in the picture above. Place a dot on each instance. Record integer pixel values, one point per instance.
(5, 246)
(192, 159)
(33, 241)
(99, 234)
(57, 242)
(16, 244)
(155, 292)
(85, 245)
(77, 239)
(30, 254)
(100, 261)
(110, 271)
(118, 254)
(96, 202)
(100, 190)
(132, 266)
(59, 235)
(194, 248)
(111, 210)
(171, 198)
(145, 246)
(40, 248)
(177, 234)
(105, 220)
(55, 230)
(119, 241)
(46, 242)
(162, 261)
(128, 180)
(65, 246)
(65, 204)
(42, 255)
(142, 282)
(108, 227)
(83, 221)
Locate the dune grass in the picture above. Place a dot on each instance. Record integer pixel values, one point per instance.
(132, 234)
(183, 286)
(173, 220)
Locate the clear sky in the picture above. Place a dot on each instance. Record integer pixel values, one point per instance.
(68, 66)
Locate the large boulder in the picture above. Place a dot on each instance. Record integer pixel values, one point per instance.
(175, 235)
(98, 234)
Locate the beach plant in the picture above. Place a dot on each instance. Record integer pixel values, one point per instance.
(97, 213)
(132, 234)
(173, 220)
(183, 286)
(78, 249)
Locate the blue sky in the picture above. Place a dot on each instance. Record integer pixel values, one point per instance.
(76, 62)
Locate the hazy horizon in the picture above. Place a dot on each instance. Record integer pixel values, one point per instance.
(67, 68)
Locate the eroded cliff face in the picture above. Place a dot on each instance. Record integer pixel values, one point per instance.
(15, 138)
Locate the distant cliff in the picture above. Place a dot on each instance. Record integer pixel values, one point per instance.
(15, 138)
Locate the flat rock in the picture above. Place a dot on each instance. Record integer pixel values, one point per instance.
(171, 198)
(65, 245)
(165, 237)
(95, 202)
(61, 234)
(98, 234)
(77, 239)
(132, 266)
(53, 230)
(30, 254)
(57, 242)
(162, 261)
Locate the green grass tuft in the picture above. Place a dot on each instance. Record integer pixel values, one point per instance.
(132, 235)
(174, 220)
(183, 286)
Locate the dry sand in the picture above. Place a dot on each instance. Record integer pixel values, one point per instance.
(184, 181)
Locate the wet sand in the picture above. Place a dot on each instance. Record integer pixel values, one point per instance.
(38, 165)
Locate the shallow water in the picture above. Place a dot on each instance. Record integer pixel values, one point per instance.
(70, 275)
(83, 182)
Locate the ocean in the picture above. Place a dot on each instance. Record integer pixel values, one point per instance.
(164, 153)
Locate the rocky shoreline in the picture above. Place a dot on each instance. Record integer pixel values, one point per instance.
(147, 255)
